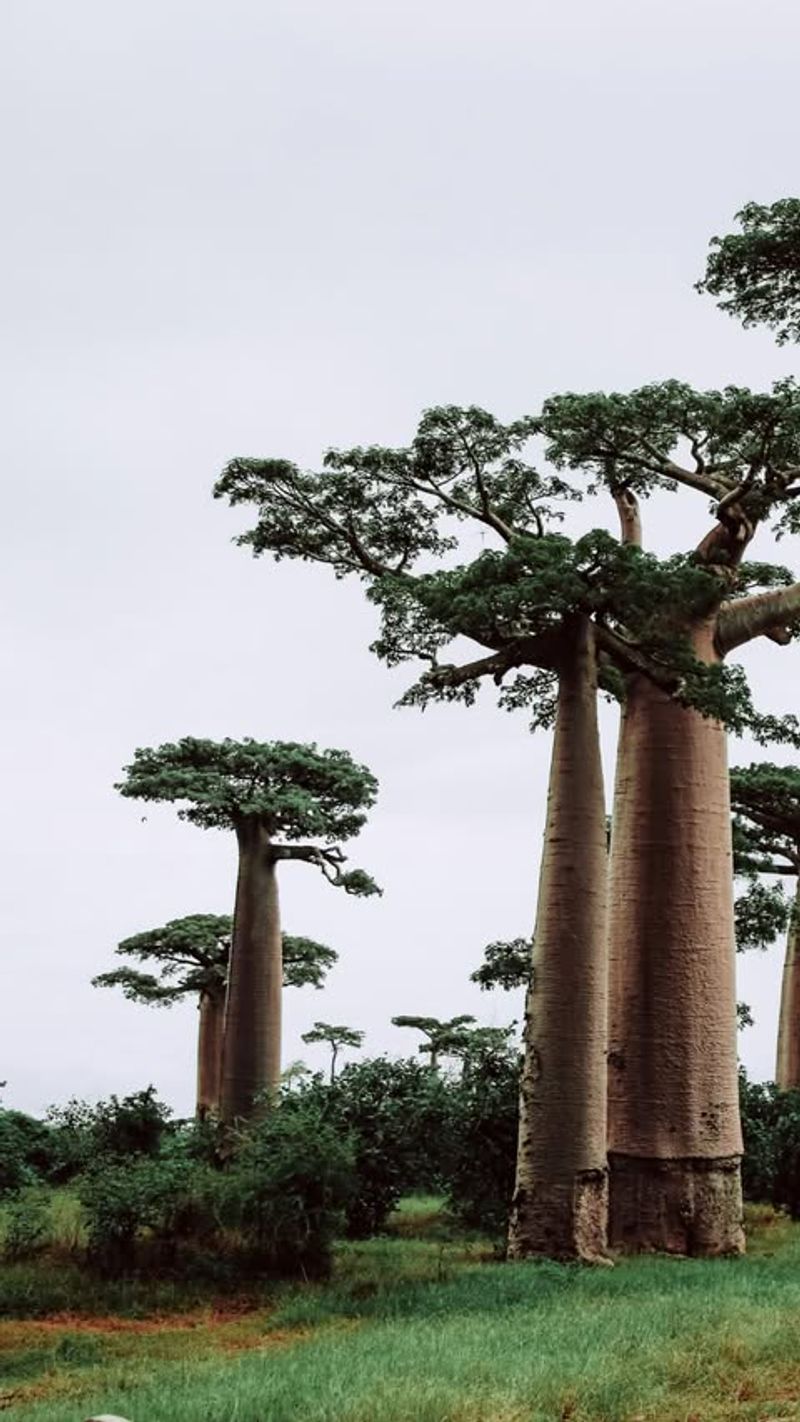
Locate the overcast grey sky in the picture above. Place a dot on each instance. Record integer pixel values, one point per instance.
(266, 227)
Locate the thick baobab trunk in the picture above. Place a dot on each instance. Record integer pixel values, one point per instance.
(560, 1200)
(674, 1135)
(209, 1052)
(787, 1069)
(251, 1058)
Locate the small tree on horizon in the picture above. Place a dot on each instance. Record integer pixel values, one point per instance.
(273, 796)
(442, 1038)
(192, 955)
(336, 1038)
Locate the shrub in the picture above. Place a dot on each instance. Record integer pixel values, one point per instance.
(286, 1189)
(771, 1128)
(395, 1114)
(482, 1141)
(136, 1125)
(26, 1225)
(26, 1150)
(123, 1200)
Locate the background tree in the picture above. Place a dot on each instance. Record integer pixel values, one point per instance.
(766, 803)
(756, 272)
(673, 1107)
(442, 1038)
(272, 795)
(336, 1037)
(192, 956)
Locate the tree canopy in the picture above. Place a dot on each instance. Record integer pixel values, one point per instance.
(384, 514)
(755, 272)
(291, 790)
(505, 965)
(193, 955)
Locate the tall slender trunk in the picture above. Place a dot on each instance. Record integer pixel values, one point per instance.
(560, 1199)
(209, 1052)
(674, 1135)
(787, 1069)
(251, 1058)
(333, 1065)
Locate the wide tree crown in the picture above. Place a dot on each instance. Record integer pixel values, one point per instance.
(193, 955)
(294, 791)
(385, 514)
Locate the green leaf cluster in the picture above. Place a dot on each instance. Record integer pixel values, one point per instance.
(293, 790)
(756, 271)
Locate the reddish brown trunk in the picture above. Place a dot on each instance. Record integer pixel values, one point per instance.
(251, 1058)
(209, 1052)
(560, 1199)
(787, 1069)
(674, 1134)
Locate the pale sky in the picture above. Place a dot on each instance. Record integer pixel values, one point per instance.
(268, 227)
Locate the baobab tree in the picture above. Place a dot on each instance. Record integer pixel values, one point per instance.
(192, 956)
(336, 1038)
(756, 271)
(554, 618)
(441, 1038)
(766, 805)
(272, 795)
(674, 1135)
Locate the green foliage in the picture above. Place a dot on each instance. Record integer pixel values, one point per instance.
(336, 1037)
(733, 437)
(744, 1016)
(287, 1188)
(136, 1125)
(124, 1198)
(756, 271)
(771, 1127)
(383, 514)
(760, 915)
(25, 1225)
(27, 1151)
(193, 954)
(505, 965)
(443, 1038)
(482, 1137)
(394, 1113)
(293, 790)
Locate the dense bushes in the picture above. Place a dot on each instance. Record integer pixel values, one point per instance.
(287, 1187)
(158, 1195)
(394, 1115)
(482, 1141)
(275, 1207)
(26, 1151)
(771, 1127)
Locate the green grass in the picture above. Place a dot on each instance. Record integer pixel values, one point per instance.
(426, 1330)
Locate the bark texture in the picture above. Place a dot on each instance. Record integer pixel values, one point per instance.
(251, 1057)
(560, 1200)
(674, 1133)
(209, 1052)
(787, 1069)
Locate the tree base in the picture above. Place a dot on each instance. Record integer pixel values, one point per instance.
(565, 1219)
(689, 1206)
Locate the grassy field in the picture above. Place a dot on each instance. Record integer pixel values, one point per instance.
(424, 1327)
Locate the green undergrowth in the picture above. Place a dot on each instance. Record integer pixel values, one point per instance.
(430, 1328)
